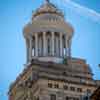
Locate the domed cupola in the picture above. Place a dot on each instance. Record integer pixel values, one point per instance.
(48, 36)
(47, 9)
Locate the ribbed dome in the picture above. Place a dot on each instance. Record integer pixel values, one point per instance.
(47, 8)
(48, 17)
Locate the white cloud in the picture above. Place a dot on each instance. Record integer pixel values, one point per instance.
(82, 10)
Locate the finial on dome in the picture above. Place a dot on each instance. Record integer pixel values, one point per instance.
(47, 1)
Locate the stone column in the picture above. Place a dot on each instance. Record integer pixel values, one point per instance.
(61, 47)
(69, 48)
(66, 45)
(57, 46)
(52, 43)
(36, 44)
(44, 44)
(27, 50)
(30, 48)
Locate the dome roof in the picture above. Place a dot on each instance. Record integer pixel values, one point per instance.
(48, 17)
(48, 8)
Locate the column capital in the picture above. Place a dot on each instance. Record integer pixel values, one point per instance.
(30, 37)
(44, 33)
(60, 34)
(52, 32)
(35, 34)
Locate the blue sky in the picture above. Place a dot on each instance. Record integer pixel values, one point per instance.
(14, 14)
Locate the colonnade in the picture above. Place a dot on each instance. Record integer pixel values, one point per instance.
(48, 44)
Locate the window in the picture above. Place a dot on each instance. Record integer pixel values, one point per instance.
(75, 98)
(79, 89)
(71, 98)
(86, 98)
(25, 98)
(50, 85)
(37, 98)
(88, 91)
(52, 97)
(72, 88)
(67, 98)
(65, 87)
(56, 86)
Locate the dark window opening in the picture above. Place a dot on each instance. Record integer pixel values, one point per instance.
(88, 91)
(56, 86)
(71, 98)
(67, 98)
(86, 98)
(65, 87)
(50, 85)
(79, 89)
(52, 97)
(72, 88)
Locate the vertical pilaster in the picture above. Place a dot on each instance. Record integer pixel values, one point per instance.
(44, 43)
(61, 47)
(52, 44)
(36, 44)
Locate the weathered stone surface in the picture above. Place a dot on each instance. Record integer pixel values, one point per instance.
(50, 67)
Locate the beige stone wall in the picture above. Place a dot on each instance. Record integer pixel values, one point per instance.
(60, 92)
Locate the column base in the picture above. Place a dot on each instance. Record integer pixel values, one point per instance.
(49, 59)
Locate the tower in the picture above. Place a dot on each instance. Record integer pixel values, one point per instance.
(45, 76)
(48, 37)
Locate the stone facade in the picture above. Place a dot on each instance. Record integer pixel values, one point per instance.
(96, 94)
(41, 80)
(50, 72)
(48, 35)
